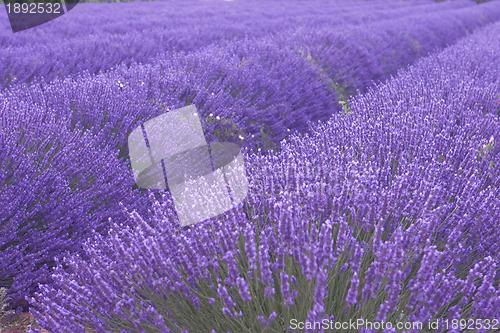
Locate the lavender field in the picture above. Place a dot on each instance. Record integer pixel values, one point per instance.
(370, 133)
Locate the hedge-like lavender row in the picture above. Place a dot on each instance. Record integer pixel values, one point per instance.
(57, 187)
(388, 212)
(259, 88)
(106, 18)
(398, 43)
(250, 88)
(116, 33)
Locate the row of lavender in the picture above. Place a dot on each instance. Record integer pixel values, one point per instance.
(98, 37)
(388, 212)
(259, 88)
(120, 19)
(58, 185)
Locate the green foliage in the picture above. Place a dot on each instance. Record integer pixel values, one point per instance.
(486, 148)
(5, 315)
(8, 318)
(224, 129)
(266, 143)
(342, 92)
(498, 111)
(347, 109)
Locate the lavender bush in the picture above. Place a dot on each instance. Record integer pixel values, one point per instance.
(4, 312)
(57, 187)
(387, 211)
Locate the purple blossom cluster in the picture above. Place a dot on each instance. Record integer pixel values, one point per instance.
(133, 32)
(387, 212)
(57, 188)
